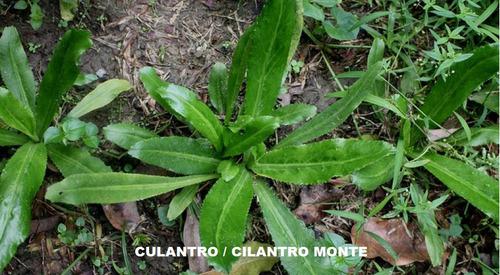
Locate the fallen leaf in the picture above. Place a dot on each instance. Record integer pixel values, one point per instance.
(123, 216)
(438, 134)
(313, 201)
(405, 239)
(250, 265)
(191, 235)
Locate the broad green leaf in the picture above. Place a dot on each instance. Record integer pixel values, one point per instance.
(101, 96)
(106, 188)
(318, 162)
(181, 155)
(71, 161)
(294, 113)
(152, 82)
(313, 11)
(16, 115)
(126, 135)
(223, 217)
(274, 39)
(446, 96)
(181, 201)
(237, 71)
(10, 138)
(254, 265)
(189, 108)
(479, 136)
(287, 231)
(253, 133)
(20, 180)
(228, 169)
(217, 87)
(476, 187)
(60, 75)
(375, 174)
(15, 69)
(345, 27)
(336, 113)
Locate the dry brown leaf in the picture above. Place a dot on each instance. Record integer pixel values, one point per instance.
(313, 201)
(44, 224)
(191, 236)
(123, 215)
(405, 239)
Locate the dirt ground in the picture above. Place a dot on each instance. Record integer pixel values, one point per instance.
(181, 39)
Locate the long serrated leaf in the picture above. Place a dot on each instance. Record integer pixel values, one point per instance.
(274, 38)
(181, 201)
(476, 187)
(336, 113)
(71, 161)
(182, 155)
(287, 231)
(217, 87)
(375, 174)
(255, 132)
(186, 104)
(375, 100)
(237, 71)
(318, 162)
(479, 136)
(294, 113)
(101, 96)
(223, 217)
(446, 96)
(60, 75)
(16, 115)
(254, 265)
(15, 69)
(10, 138)
(106, 188)
(20, 180)
(126, 135)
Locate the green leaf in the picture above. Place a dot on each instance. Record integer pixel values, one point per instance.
(476, 187)
(217, 86)
(336, 113)
(186, 104)
(181, 155)
(101, 96)
(68, 9)
(19, 183)
(15, 69)
(254, 265)
(479, 136)
(53, 135)
(446, 96)
(61, 73)
(375, 100)
(20, 5)
(71, 161)
(16, 115)
(287, 231)
(223, 217)
(375, 174)
(253, 133)
(318, 162)
(375, 55)
(489, 99)
(274, 39)
(294, 113)
(345, 27)
(36, 15)
(106, 188)
(313, 11)
(346, 214)
(126, 135)
(152, 82)
(10, 138)
(237, 71)
(181, 201)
